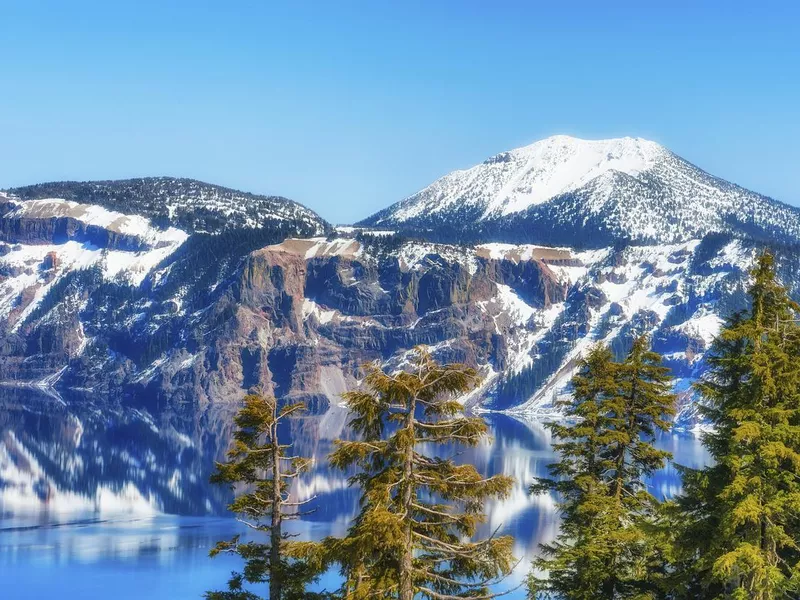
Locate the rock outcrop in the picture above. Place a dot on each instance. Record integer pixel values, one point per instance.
(111, 305)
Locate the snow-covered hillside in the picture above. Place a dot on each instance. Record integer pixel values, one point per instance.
(40, 256)
(131, 305)
(116, 277)
(679, 294)
(566, 190)
(191, 205)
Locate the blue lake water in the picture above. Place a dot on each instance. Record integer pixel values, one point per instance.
(98, 503)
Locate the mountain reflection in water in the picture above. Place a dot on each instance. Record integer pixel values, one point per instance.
(93, 498)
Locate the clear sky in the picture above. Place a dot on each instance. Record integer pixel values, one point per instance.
(350, 106)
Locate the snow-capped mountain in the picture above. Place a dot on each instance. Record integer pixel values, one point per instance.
(190, 205)
(564, 190)
(172, 293)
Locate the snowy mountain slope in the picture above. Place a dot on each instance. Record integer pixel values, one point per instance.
(300, 316)
(570, 191)
(678, 294)
(188, 204)
(33, 269)
(134, 298)
(74, 275)
(53, 254)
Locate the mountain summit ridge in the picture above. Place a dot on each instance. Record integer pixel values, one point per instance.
(189, 204)
(568, 190)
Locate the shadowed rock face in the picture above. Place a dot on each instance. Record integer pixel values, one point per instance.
(301, 317)
(303, 327)
(185, 321)
(298, 319)
(46, 227)
(531, 279)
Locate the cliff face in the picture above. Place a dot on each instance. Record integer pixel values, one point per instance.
(301, 318)
(107, 304)
(33, 230)
(298, 318)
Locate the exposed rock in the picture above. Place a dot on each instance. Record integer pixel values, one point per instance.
(205, 322)
(294, 315)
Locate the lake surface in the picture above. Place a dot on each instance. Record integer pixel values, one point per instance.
(98, 503)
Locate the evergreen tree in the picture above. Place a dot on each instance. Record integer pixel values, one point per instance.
(574, 566)
(642, 405)
(742, 514)
(412, 537)
(258, 461)
(604, 548)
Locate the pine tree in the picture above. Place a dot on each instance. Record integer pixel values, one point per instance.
(259, 462)
(742, 538)
(643, 404)
(574, 566)
(417, 509)
(604, 548)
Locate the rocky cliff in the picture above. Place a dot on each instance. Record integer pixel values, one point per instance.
(300, 318)
(114, 306)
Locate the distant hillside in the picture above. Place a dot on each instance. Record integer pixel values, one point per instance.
(187, 204)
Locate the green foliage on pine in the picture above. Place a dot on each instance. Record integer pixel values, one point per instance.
(643, 404)
(741, 516)
(258, 461)
(605, 548)
(419, 513)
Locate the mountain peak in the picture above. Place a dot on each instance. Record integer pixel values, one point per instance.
(560, 164)
(565, 190)
(627, 143)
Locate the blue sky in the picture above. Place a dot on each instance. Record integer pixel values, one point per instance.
(350, 106)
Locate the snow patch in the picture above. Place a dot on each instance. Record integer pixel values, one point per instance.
(322, 315)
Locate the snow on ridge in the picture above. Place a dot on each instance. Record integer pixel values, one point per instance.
(522, 252)
(35, 268)
(644, 280)
(412, 254)
(90, 214)
(351, 230)
(318, 247)
(560, 164)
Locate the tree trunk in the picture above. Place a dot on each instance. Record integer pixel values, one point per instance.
(609, 588)
(276, 534)
(406, 560)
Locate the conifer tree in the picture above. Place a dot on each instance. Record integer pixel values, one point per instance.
(412, 536)
(742, 538)
(574, 566)
(604, 548)
(259, 462)
(642, 405)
